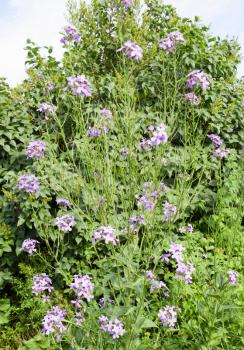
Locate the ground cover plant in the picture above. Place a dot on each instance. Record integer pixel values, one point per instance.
(121, 186)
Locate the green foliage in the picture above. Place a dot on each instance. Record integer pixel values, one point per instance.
(103, 186)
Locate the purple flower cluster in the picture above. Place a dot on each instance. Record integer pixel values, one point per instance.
(71, 34)
(197, 77)
(216, 139)
(29, 246)
(124, 153)
(28, 183)
(187, 228)
(47, 109)
(41, 283)
(135, 222)
(170, 43)
(50, 86)
(159, 136)
(106, 233)
(220, 152)
(127, 3)
(53, 322)
(168, 316)
(233, 276)
(79, 85)
(175, 252)
(170, 211)
(184, 271)
(94, 132)
(82, 286)
(154, 283)
(65, 223)
(116, 328)
(192, 98)
(132, 50)
(63, 202)
(36, 149)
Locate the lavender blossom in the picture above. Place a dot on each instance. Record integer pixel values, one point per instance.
(77, 303)
(132, 50)
(124, 153)
(170, 211)
(94, 132)
(79, 85)
(114, 328)
(184, 271)
(146, 145)
(150, 275)
(50, 86)
(63, 202)
(192, 98)
(29, 246)
(46, 109)
(172, 40)
(71, 35)
(233, 277)
(79, 318)
(28, 183)
(216, 139)
(220, 153)
(103, 302)
(65, 223)
(168, 316)
(176, 251)
(41, 283)
(197, 77)
(36, 149)
(159, 135)
(82, 286)
(105, 233)
(53, 322)
(45, 298)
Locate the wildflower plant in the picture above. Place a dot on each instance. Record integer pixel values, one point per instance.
(120, 223)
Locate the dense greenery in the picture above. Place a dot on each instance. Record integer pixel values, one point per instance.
(104, 178)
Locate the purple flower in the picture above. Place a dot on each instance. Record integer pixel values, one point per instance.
(159, 135)
(197, 77)
(216, 139)
(176, 251)
(150, 275)
(79, 318)
(77, 303)
(220, 153)
(50, 86)
(65, 222)
(192, 99)
(132, 50)
(41, 283)
(124, 153)
(28, 183)
(106, 114)
(63, 202)
(146, 145)
(155, 285)
(36, 150)
(127, 3)
(184, 271)
(233, 276)
(79, 85)
(136, 221)
(82, 286)
(46, 108)
(170, 211)
(45, 298)
(94, 132)
(187, 228)
(53, 322)
(29, 246)
(170, 43)
(114, 328)
(103, 302)
(168, 316)
(71, 35)
(106, 233)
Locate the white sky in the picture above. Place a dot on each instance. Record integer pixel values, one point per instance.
(42, 20)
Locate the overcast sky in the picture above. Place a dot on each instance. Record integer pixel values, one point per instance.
(42, 20)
